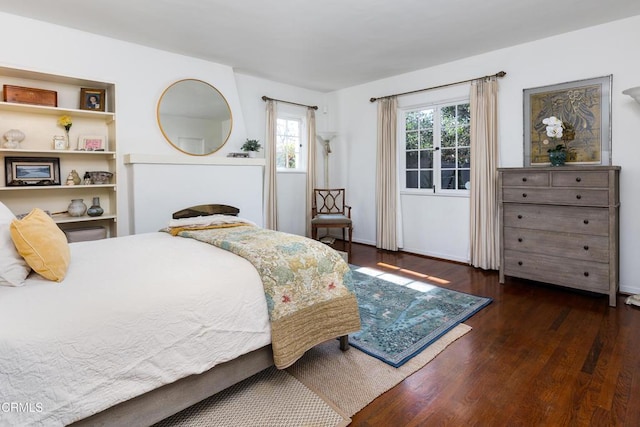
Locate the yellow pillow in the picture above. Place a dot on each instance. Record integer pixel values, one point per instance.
(42, 244)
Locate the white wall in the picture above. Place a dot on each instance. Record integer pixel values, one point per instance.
(593, 52)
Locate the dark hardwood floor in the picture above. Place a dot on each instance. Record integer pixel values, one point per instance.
(538, 355)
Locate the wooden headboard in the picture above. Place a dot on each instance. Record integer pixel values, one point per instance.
(203, 210)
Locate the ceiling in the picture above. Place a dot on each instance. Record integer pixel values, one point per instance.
(326, 45)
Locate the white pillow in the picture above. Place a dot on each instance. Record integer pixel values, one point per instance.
(13, 268)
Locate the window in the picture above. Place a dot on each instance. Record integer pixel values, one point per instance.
(436, 145)
(289, 145)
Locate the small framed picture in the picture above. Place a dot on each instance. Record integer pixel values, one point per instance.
(92, 99)
(26, 171)
(59, 143)
(92, 143)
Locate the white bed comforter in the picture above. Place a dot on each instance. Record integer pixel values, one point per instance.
(132, 314)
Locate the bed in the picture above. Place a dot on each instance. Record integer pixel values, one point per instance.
(143, 326)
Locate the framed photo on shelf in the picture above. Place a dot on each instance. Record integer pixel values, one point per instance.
(92, 99)
(585, 105)
(92, 143)
(32, 171)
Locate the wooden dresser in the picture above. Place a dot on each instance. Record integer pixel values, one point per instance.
(559, 225)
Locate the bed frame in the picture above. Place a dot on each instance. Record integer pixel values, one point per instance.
(158, 404)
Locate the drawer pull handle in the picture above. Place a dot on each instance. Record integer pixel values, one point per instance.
(519, 262)
(578, 179)
(586, 221)
(586, 274)
(519, 216)
(578, 197)
(520, 239)
(524, 194)
(586, 248)
(524, 179)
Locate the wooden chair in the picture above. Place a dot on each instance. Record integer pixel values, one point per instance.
(330, 211)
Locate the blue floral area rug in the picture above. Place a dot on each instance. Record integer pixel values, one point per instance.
(401, 317)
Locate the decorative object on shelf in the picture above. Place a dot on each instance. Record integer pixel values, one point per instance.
(69, 180)
(13, 137)
(251, 146)
(66, 122)
(86, 179)
(29, 95)
(100, 177)
(241, 155)
(76, 177)
(95, 209)
(32, 171)
(583, 104)
(633, 92)
(77, 207)
(92, 99)
(558, 129)
(91, 143)
(59, 142)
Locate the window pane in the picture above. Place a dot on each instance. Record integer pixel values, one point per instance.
(412, 160)
(448, 114)
(448, 159)
(411, 121)
(464, 139)
(448, 136)
(412, 179)
(464, 157)
(412, 140)
(464, 114)
(464, 178)
(426, 138)
(448, 179)
(426, 119)
(426, 179)
(426, 159)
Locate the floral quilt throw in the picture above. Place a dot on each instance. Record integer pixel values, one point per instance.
(307, 286)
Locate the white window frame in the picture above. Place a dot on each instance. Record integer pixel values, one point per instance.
(302, 164)
(402, 158)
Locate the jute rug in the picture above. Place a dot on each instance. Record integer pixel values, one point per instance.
(324, 388)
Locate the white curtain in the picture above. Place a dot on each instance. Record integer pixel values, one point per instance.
(311, 165)
(484, 175)
(270, 198)
(388, 229)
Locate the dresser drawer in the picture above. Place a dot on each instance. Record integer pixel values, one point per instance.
(587, 275)
(522, 178)
(557, 244)
(561, 196)
(595, 179)
(592, 221)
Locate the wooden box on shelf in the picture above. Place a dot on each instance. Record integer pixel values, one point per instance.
(28, 95)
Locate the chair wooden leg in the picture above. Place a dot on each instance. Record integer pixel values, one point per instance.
(314, 232)
(350, 236)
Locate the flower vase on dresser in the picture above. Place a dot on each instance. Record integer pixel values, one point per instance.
(77, 207)
(95, 209)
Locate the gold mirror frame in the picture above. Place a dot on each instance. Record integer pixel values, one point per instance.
(194, 117)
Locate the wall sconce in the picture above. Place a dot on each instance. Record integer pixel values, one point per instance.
(325, 139)
(633, 92)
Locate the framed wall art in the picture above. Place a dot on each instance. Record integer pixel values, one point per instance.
(92, 99)
(584, 106)
(27, 171)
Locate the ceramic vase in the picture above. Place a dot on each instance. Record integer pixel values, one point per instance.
(95, 209)
(557, 158)
(77, 207)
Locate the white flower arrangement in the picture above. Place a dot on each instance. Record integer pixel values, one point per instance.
(557, 129)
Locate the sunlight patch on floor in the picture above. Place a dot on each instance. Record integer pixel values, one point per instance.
(398, 280)
(434, 279)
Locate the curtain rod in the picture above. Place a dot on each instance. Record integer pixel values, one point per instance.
(266, 98)
(500, 74)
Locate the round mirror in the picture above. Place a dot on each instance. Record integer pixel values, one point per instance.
(194, 117)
